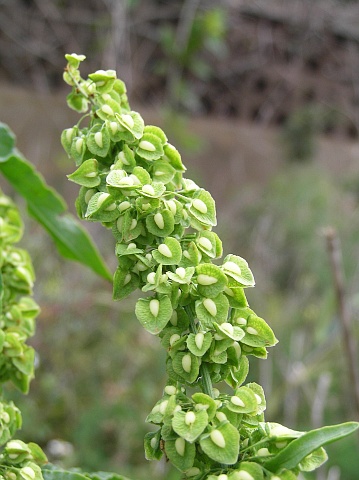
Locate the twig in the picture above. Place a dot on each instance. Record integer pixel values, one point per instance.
(335, 254)
(320, 399)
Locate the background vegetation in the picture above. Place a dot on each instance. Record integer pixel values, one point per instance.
(280, 155)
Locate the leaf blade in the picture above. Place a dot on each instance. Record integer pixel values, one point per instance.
(49, 209)
(299, 448)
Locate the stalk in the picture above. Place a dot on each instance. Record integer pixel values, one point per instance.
(205, 378)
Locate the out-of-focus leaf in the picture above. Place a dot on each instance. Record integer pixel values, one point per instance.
(49, 208)
(7, 142)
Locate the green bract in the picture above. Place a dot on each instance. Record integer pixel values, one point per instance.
(189, 425)
(131, 180)
(87, 174)
(154, 313)
(222, 443)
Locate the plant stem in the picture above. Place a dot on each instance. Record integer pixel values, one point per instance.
(206, 381)
(335, 254)
(205, 378)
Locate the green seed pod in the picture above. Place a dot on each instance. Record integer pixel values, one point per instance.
(180, 445)
(190, 418)
(218, 439)
(187, 363)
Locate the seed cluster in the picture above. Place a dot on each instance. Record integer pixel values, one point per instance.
(132, 181)
(18, 460)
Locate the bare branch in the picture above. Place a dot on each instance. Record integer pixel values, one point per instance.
(335, 254)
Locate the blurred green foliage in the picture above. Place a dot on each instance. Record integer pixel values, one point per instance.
(300, 131)
(188, 47)
(282, 235)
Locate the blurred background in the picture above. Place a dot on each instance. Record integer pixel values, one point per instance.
(262, 99)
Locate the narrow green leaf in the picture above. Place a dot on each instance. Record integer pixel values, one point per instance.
(105, 476)
(52, 472)
(62, 475)
(299, 448)
(49, 209)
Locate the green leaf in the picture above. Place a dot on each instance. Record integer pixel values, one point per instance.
(142, 174)
(25, 362)
(87, 174)
(124, 283)
(227, 330)
(258, 333)
(77, 102)
(67, 137)
(157, 131)
(37, 454)
(155, 190)
(235, 294)
(98, 140)
(154, 313)
(74, 59)
(180, 453)
(150, 147)
(191, 256)
(162, 171)
(199, 343)
(61, 475)
(160, 223)
(118, 178)
(237, 375)
(205, 402)
(247, 471)
(259, 394)
(314, 460)
(244, 401)
(186, 365)
(169, 252)
(125, 159)
(174, 157)
(107, 112)
(203, 208)
(222, 444)
(210, 244)
(152, 445)
(102, 206)
(211, 310)
(291, 456)
(104, 80)
(189, 425)
(48, 208)
(78, 149)
(210, 279)
(105, 476)
(7, 142)
(20, 380)
(133, 122)
(237, 268)
(182, 275)
(52, 472)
